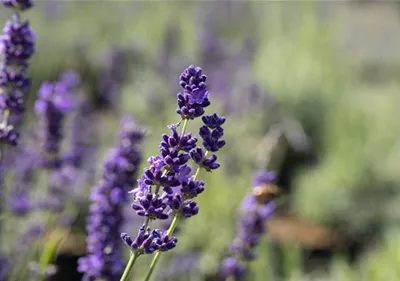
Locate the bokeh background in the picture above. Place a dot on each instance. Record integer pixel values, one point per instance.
(309, 89)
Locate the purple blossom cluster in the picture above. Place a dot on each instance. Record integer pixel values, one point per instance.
(169, 184)
(104, 259)
(251, 227)
(18, 4)
(53, 104)
(17, 45)
(19, 199)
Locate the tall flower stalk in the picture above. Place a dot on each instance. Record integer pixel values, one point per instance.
(53, 105)
(104, 260)
(17, 45)
(256, 210)
(169, 185)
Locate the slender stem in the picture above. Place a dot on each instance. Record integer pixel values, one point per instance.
(153, 266)
(184, 126)
(6, 116)
(129, 266)
(169, 233)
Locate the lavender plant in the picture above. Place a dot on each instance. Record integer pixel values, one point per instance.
(104, 260)
(256, 210)
(53, 104)
(17, 45)
(169, 185)
(19, 199)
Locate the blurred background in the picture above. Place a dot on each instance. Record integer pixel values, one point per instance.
(310, 90)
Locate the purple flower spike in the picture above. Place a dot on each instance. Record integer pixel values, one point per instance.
(19, 204)
(169, 184)
(52, 106)
(209, 163)
(263, 177)
(151, 207)
(18, 4)
(9, 135)
(192, 188)
(149, 242)
(231, 267)
(17, 45)
(195, 97)
(213, 121)
(250, 229)
(211, 132)
(18, 42)
(190, 209)
(104, 260)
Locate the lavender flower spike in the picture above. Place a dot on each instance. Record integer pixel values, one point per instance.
(104, 260)
(53, 104)
(17, 45)
(255, 213)
(169, 186)
(18, 4)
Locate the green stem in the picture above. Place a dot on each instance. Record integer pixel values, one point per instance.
(184, 126)
(129, 266)
(158, 254)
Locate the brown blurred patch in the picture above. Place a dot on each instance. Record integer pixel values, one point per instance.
(70, 243)
(286, 228)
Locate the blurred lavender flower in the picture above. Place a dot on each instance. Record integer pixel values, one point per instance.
(251, 227)
(55, 101)
(53, 104)
(3, 268)
(19, 199)
(104, 260)
(18, 4)
(169, 47)
(181, 267)
(23, 243)
(76, 165)
(113, 76)
(17, 45)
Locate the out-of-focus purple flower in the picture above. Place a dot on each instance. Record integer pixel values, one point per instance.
(231, 267)
(181, 267)
(9, 135)
(18, 4)
(114, 75)
(104, 260)
(19, 200)
(250, 229)
(3, 268)
(263, 177)
(24, 242)
(52, 105)
(19, 204)
(17, 45)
